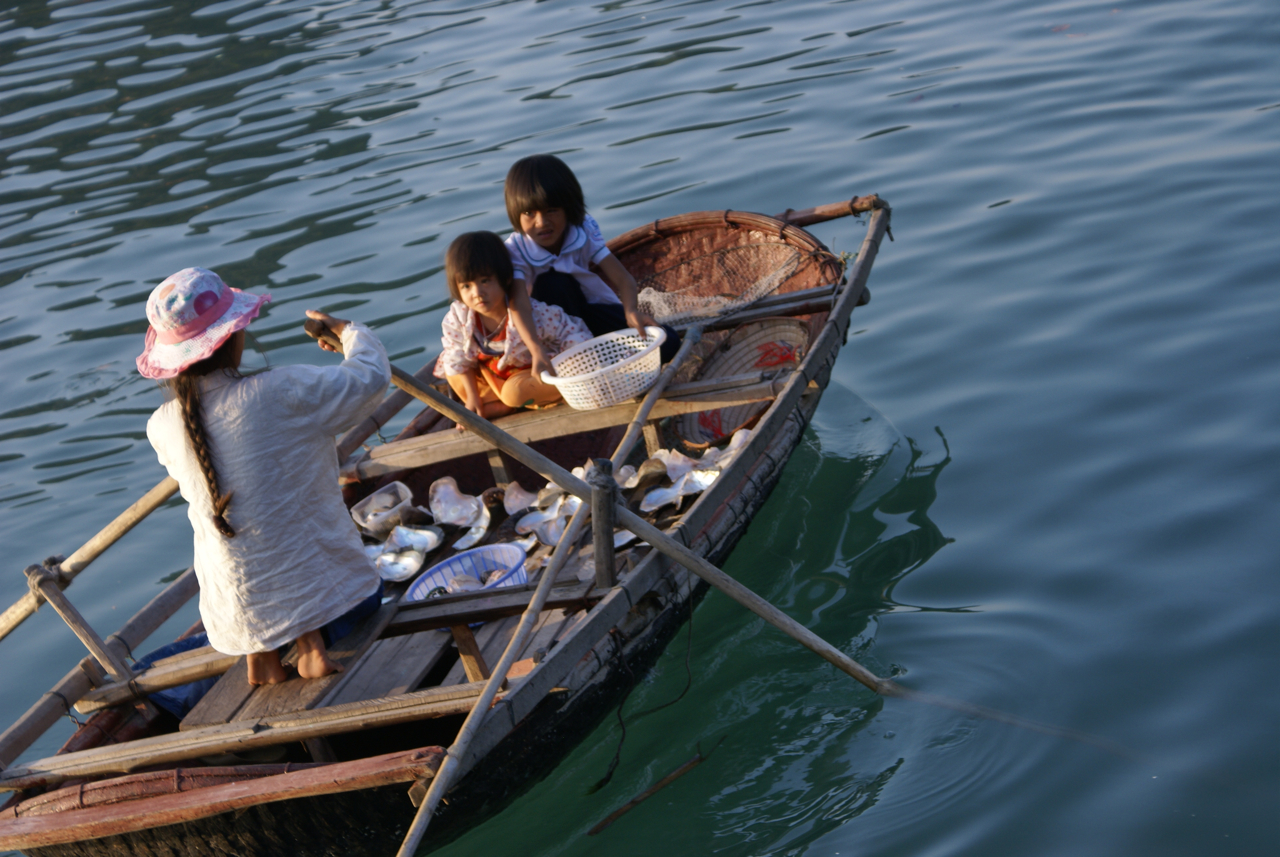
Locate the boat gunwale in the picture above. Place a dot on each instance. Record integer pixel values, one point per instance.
(129, 816)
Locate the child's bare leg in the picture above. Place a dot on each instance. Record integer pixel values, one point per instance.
(265, 668)
(490, 405)
(491, 387)
(523, 389)
(313, 657)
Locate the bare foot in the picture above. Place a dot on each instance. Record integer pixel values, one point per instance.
(265, 668)
(313, 657)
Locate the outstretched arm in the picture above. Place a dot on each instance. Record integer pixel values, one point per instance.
(625, 285)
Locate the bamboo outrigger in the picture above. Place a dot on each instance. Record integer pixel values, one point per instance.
(321, 766)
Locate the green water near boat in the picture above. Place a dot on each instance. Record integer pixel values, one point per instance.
(1043, 477)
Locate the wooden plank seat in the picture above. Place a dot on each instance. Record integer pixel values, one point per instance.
(408, 646)
(392, 666)
(531, 426)
(233, 698)
(490, 605)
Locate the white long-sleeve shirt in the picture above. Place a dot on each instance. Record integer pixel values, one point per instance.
(296, 561)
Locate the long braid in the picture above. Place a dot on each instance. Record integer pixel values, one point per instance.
(186, 388)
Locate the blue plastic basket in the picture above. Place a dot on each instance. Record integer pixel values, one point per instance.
(477, 562)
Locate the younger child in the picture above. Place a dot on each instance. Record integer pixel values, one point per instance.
(487, 359)
(554, 246)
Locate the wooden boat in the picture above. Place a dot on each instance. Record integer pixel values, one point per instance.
(335, 765)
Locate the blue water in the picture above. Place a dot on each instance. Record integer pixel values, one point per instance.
(1070, 355)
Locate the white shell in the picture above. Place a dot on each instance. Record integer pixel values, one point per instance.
(425, 539)
(473, 535)
(625, 474)
(463, 583)
(678, 464)
(516, 499)
(660, 497)
(451, 506)
(396, 565)
(531, 521)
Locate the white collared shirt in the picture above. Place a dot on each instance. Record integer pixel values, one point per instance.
(583, 246)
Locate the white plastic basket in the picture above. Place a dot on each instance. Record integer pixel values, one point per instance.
(477, 562)
(608, 369)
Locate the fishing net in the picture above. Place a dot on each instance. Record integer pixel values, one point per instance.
(718, 283)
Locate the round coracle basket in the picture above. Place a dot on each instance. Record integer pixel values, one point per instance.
(608, 369)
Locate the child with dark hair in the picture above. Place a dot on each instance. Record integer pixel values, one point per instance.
(487, 359)
(277, 555)
(555, 246)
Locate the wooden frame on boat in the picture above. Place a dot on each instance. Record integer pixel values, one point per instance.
(352, 740)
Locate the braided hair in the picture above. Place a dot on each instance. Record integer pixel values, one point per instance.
(186, 389)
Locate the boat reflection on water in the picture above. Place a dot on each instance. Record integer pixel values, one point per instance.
(859, 504)
(804, 747)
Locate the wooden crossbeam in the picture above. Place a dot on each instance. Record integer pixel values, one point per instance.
(181, 669)
(544, 424)
(495, 604)
(243, 735)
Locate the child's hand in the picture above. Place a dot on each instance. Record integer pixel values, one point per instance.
(472, 405)
(542, 364)
(639, 320)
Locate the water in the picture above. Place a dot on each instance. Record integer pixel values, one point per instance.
(1072, 335)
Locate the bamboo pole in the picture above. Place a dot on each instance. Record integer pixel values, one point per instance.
(91, 550)
(604, 496)
(393, 404)
(57, 702)
(43, 582)
(691, 338)
(182, 669)
(831, 211)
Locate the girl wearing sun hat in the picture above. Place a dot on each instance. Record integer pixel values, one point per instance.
(276, 552)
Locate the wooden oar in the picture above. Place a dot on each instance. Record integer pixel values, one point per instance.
(676, 551)
(91, 550)
(443, 778)
(644, 530)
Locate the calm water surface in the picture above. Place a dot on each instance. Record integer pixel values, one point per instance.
(1070, 356)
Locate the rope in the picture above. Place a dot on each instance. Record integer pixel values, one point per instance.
(615, 634)
(66, 706)
(128, 650)
(688, 669)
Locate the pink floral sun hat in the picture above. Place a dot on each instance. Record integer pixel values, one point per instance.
(191, 314)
